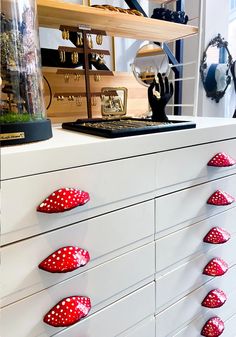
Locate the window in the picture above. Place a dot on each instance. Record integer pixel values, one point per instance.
(232, 4)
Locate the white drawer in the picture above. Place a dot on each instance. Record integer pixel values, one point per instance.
(105, 237)
(172, 286)
(230, 327)
(117, 318)
(188, 165)
(182, 208)
(193, 328)
(190, 306)
(185, 243)
(111, 185)
(143, 329)
(103, 285)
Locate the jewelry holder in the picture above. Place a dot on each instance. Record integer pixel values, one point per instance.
(83, 54)
(115, 123)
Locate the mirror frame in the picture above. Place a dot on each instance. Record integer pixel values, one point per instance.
(218, 42)
(133, 66)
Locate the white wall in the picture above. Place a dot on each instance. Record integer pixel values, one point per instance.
(191, 45)
(215, 20)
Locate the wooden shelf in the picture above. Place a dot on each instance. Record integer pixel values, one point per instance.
(81, 72)
(52, 14)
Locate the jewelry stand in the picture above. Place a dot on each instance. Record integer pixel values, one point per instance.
(86, 59)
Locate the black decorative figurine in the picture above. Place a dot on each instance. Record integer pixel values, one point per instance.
(159, 98)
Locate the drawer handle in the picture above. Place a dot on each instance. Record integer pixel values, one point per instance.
(63, 200)
(220, 198)
(68, 311)
(222, 159)
(214, 299)
(214, 327)
(216, 267)
(217, 235)
(65, 259)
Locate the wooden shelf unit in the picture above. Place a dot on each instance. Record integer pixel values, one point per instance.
(52, 14)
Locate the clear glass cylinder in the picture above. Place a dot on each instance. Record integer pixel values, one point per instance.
(21, 77)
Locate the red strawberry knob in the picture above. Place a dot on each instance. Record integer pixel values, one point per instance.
(214, 327)
(68, 311)
(220, 198)
(63, 200)
(216, 267)
(214, 299)
(222, 159)
(65, 259)
(217, 235)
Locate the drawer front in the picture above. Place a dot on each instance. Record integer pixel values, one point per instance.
(190, 164)
(230, 327)
(190, 306)
(183, 244)
(172, 286)
(143, 329)
(130, 310)
(125, 229)
(103, 285)
(180, 209)
(193, 328)
(22, 196)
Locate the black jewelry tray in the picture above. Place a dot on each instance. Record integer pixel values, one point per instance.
(126, 126)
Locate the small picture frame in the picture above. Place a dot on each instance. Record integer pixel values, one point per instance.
(114, 101)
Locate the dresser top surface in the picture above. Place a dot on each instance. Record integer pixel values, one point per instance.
(69, 149)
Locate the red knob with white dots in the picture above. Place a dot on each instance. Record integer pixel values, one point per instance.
(216, 267)
(217, 235)
(214, 327)
(220, 198)
(63, 200)
(214, 299)
(222, 159)
(65, 259)
(68, 311)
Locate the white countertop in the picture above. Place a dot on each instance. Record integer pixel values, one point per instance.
(70, 149)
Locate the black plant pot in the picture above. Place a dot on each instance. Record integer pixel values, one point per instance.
(20, 133)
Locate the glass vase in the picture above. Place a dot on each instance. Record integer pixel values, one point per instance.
(22, 117)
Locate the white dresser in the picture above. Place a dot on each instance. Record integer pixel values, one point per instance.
(143, 228)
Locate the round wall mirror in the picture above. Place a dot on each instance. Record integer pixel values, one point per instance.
(150, 60)
(215, 68)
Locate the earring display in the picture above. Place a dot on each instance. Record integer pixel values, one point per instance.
(101, 59)
(84, 54)
(79, 101)
(97, 78)
(60, 98)
(74, 57)
(93, 57)
(99, 39)
(65, 34)
(67, 78)
(90, 41)
(77, 77)
(79, 41)
(62, 55)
